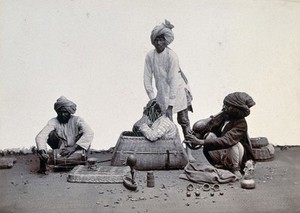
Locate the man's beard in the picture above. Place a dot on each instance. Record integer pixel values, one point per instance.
(63, 119)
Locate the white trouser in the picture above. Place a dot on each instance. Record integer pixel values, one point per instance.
(230, 158)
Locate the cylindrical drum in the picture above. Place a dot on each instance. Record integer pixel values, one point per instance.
(150, 179)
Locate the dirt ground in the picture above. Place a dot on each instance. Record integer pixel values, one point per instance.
(277, 190)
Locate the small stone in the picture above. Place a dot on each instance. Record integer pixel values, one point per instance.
(212, 194)
(187, 204)
(221, 193)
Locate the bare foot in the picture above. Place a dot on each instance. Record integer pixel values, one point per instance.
(43, 172)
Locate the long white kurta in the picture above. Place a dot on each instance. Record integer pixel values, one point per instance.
(67, 132)
(171, 87)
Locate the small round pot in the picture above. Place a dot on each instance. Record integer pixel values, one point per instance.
(206, 187)
(248, 184)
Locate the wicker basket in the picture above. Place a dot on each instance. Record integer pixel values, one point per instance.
(259, 142)
(264, 153)
(158, 155)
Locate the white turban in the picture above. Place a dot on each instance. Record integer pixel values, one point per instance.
(163, 29)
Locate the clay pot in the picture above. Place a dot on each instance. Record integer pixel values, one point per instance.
(206, 187)
(216, 187)
(248, 183)
(190, 187)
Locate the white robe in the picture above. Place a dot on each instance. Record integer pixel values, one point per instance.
(171, 87)
(67, 132)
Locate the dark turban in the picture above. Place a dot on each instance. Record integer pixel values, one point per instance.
(164, 29)
(63, 102)
(241, 101)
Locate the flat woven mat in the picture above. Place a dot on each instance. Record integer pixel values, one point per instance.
(102, 174)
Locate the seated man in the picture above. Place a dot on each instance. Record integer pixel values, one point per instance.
(154, 124)
(226, 143)
(66, 132)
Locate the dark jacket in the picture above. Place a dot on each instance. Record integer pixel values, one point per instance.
(235, 131)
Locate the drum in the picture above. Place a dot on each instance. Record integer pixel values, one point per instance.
(66, 163)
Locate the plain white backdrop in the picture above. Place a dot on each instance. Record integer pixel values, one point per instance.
(93, 53)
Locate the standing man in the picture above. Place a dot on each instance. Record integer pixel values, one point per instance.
(66, 132)
(173, 93)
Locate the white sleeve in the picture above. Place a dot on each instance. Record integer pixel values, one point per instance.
(172, 78)
(87, 134)
(42, 137)
(148, 76)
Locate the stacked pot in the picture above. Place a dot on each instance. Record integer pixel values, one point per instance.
(262, 149)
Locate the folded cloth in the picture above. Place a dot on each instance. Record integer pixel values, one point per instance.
(203, 173)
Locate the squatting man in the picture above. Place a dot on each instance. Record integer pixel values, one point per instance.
(226, 144)
(66, 132)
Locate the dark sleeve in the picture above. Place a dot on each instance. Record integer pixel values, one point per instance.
(232, 136)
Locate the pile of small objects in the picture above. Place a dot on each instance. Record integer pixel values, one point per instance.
(205, 187)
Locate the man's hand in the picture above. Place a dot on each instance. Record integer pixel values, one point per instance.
(193, 140)
(67, 151)
(169, 112)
